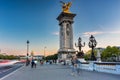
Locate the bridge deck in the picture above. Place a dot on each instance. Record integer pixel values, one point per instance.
(56, 72)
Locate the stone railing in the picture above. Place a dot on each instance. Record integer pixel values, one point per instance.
(109, 67)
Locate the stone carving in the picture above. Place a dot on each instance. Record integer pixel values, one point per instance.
(66, 6)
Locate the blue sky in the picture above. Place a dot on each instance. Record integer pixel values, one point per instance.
(35, 20)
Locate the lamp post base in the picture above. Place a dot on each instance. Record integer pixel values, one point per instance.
(93, 58)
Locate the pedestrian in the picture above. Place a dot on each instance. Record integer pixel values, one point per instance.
(75, 65)
(78, 63)
(41, 62)
(72, 66)
(32, 63)
(35, 63)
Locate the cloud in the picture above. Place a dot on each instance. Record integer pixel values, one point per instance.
(86, 34)
(114, 32)
(56, 33)
(92, 33)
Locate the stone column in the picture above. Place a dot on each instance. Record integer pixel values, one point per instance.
(66, 33)
(98, 55)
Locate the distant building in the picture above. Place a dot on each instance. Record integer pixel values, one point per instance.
(118, 47)
(39, 57)
(100, 48)
(22, 56)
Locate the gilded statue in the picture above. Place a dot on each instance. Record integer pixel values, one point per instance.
(66, 6)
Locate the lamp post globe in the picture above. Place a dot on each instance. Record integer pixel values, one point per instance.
(28, 42)
(92, 44)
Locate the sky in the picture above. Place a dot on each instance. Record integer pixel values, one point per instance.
(35, 20)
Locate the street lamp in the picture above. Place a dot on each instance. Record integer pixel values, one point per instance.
(80, 45)
(27, 62)
(28, 47)
(44, 51)
(80, 53)
(92, 44)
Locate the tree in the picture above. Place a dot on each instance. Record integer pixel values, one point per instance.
(87, 56)
(109, 53)
(52, 57)
(32, 53)
(8, 57)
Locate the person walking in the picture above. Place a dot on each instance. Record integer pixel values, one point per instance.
(75, 65)
(32, 63)
(35, 63)
(41, 62)
(78, 63)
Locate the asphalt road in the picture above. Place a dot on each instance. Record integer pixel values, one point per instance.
(8, 69)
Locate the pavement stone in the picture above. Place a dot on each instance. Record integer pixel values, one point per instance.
(57, 72)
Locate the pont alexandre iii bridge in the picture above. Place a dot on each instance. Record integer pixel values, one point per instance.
(60, 72)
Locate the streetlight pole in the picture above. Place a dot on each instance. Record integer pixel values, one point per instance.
(80, 45)
(44, 51)
(92, 44)
(80, 53)
(28, 47)
(27, 62)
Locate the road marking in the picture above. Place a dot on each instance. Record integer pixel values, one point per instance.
(11, 73)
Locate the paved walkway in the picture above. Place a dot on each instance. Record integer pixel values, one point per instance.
(56, 72)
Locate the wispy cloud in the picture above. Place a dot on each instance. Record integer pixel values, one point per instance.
(56, 33)
(98, 33)
(114, 32)
(92, 33)
(86, 34)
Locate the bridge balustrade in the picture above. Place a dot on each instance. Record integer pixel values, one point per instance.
(109, 67)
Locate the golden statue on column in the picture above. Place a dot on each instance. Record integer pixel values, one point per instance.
(66, 6)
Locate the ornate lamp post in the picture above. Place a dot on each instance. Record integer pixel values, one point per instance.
(28, 47)
(27, 62)
(92, 44)
(80, 45)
